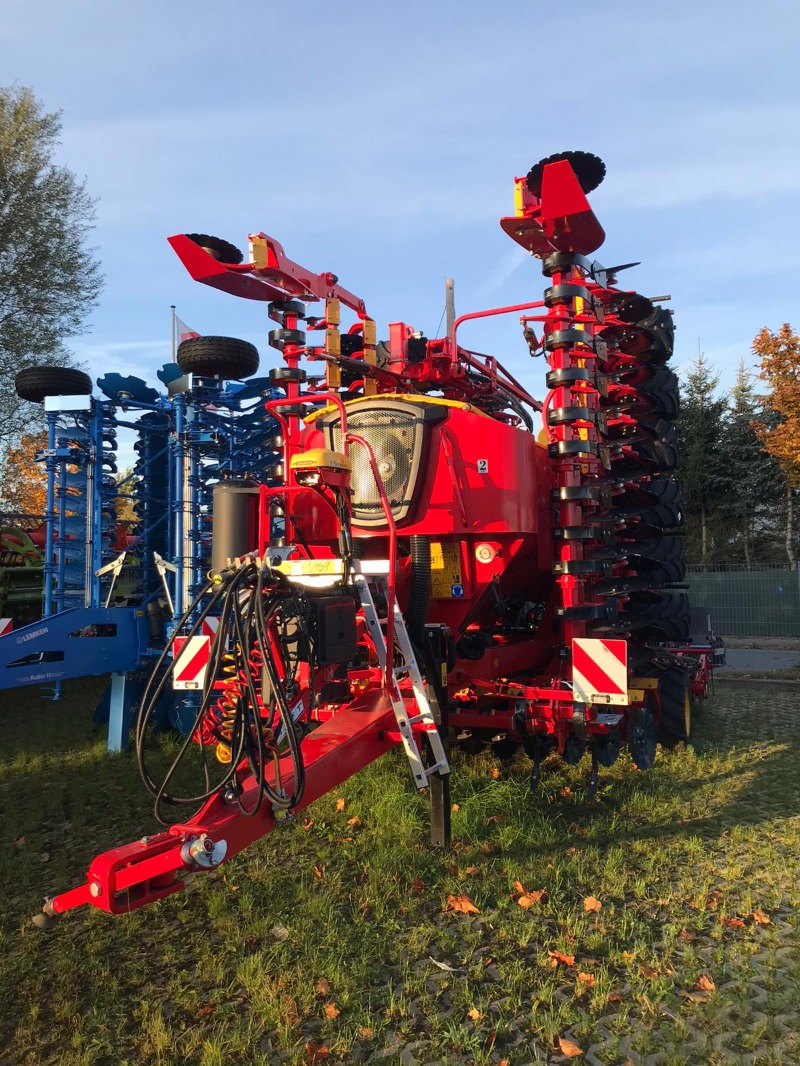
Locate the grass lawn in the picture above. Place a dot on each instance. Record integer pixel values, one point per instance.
(658, 925)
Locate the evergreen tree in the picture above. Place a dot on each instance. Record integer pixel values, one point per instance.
(701, 465)
(754, 485)
(49, 279)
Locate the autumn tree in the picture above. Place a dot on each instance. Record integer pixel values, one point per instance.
(49, 278)
(23, 481)
(702, 465)
(778, 354)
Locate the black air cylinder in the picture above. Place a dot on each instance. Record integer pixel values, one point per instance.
(234, 529)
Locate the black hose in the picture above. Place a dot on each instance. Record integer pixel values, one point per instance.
(420, 590)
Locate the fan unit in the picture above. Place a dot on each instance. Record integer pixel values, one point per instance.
(396, 432)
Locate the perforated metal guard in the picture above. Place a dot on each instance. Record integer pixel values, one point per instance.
(391, 435)
(396, 432)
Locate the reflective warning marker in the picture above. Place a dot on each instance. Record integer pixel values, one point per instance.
(191, 662)
(600, 671)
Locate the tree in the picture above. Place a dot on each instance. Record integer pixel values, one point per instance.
(754, 484)
(779, 359)
(49, 279)
(702, 465)
(23, 481)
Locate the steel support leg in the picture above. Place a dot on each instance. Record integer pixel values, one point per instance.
(119, 714)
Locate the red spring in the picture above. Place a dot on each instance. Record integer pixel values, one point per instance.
(216, 725)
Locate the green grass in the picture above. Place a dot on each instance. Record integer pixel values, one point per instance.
(241, 967)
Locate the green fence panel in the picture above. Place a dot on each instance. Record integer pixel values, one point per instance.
(748, 603)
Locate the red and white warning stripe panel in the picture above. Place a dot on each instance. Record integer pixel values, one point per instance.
(6, 625)
(192, 655)
(209, 626)
(600, 671)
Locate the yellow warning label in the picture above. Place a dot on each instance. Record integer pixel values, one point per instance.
(445, 569)
(304, 567)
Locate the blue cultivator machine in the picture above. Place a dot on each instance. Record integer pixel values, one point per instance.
(110, 593)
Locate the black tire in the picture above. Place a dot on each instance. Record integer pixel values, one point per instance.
(662, 331)
(223, 357)
(223, 251)
(589, 170)
(661, 616)
(37, 382)
(662, 390)
(675, 717)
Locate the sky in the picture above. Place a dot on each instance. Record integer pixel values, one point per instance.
(380, 140)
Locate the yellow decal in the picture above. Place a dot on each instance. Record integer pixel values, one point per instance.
(445, 568)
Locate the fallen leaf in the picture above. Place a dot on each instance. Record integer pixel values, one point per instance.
(627, 955)
(705, 983)
(345, 840)
(498, 819)
(44, 857)
(340, 804)
(697, 997)
(322, 987)
(733, 923)
(648, 971)
(461, 905)
(759, 917)
(557, 957)
(474, 1014)
(289, 1009)
(442, 965)
(528, 899)
(684, 934)
(591, 903)
(614, 997)
(518, 885)
(417, 885)
(354, 821)
(565, 791)
(318, 872)
(569, 1047)
(486, 848)
(20, 842)
(365, 1032)
(472, 870)
(455, 807)
(331, 1011)
(205, 1010)
(495, 772)
(307, 824)
(316, 1053)
(588, 980)
(280, 932)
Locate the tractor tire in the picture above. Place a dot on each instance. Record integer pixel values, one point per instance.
(37, 382)
(663, 451)
(661, 328)
(666, 514)
(589, 170)
(661, 616)
(661, 389)
(222, 251)
(222, 357)
(675, 716)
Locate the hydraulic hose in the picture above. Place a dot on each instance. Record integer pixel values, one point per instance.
(420, 590)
